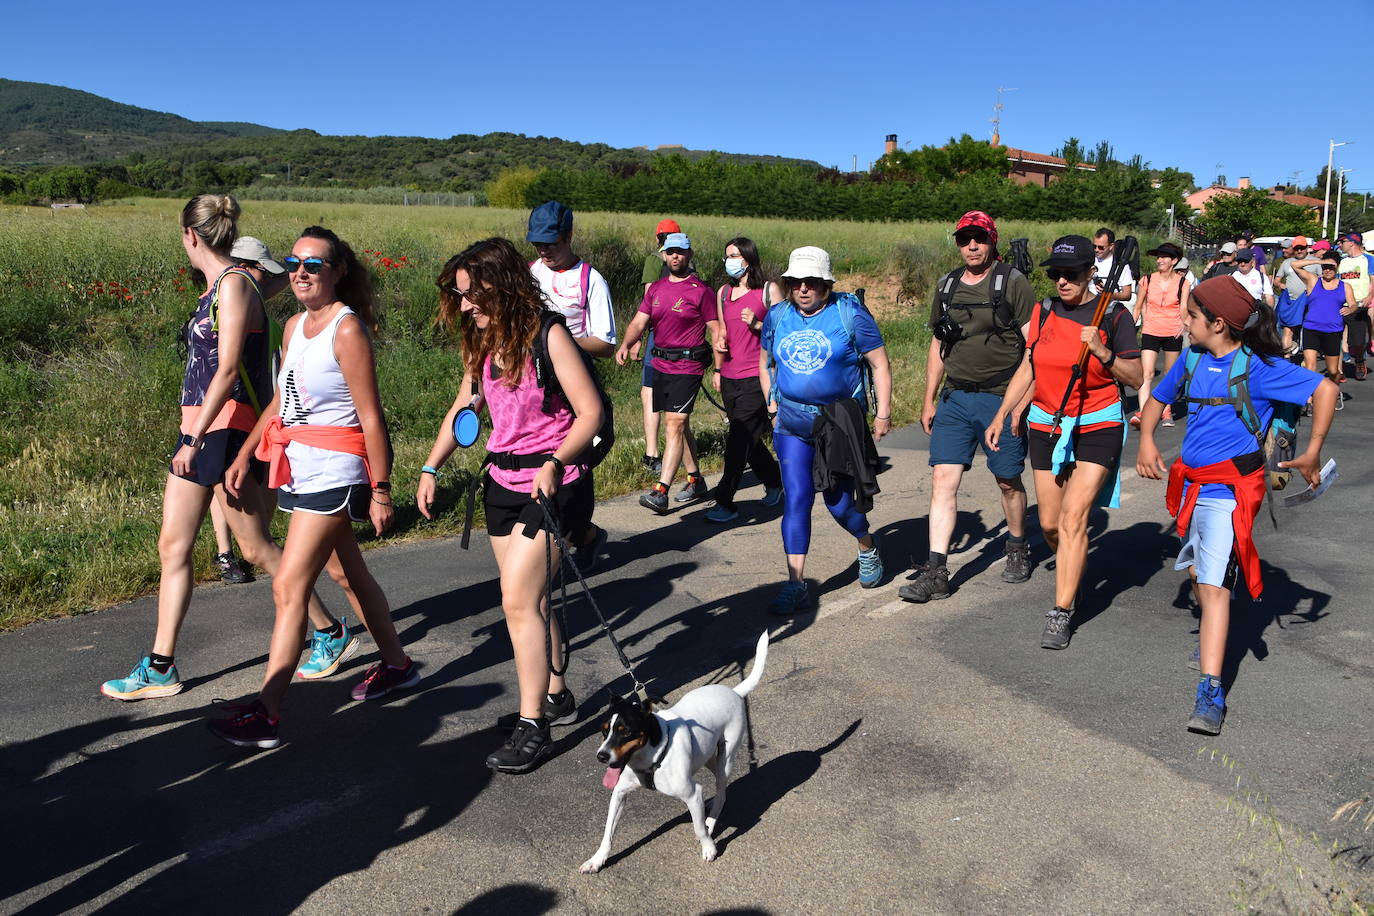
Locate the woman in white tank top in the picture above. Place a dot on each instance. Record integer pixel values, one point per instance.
(334, 468)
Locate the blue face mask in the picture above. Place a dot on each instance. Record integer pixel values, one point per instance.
(736, 267)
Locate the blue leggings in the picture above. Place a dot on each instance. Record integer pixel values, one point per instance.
(795, 455)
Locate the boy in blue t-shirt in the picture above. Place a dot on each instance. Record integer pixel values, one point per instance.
(1217, 484)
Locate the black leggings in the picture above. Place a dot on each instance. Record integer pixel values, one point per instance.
(1357, 329)
(743, 399)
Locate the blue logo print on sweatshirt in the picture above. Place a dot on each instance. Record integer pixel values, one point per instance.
(805, 352)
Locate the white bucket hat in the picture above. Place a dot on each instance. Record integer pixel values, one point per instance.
(809, 262)
(247, 248)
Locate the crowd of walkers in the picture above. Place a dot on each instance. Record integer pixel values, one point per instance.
(298, 425)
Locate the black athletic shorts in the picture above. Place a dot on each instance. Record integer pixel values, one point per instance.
(1167, 344)
(354, 499)
(675, 392)
(1100, 446)
(218, 450)
(1327, 343)
(572, 508)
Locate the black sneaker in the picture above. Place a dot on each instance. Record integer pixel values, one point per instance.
(1057, 632)
(931, 583)
(526, 746)
(231, 569)
(695, 488)
(1018, 568)
(562, 711)
(655, 499)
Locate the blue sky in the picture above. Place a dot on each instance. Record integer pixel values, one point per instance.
(1183, 84)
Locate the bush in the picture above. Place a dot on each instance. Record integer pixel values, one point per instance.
(510, 188)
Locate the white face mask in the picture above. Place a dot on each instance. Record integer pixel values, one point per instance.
(736, 267)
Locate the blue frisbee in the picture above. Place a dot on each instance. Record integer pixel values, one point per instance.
(467, 426)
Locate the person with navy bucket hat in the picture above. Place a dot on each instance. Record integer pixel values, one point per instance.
(578, 292)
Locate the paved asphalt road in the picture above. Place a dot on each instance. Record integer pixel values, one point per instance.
(904, 758)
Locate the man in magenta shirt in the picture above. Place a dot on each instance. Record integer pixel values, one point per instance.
(681, 309)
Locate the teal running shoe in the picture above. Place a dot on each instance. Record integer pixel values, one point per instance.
(143, 683)
(870, 567)
(327, 653)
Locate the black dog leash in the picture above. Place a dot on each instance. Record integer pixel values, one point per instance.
(555, 536)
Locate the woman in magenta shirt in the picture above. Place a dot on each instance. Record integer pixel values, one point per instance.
(740, 307)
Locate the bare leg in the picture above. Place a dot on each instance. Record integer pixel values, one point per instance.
(944, 504)
(689, 441)
(1013, 505)
(673, 446)
(221, 526)
(1147, 365)
(1216, 618)
(646, 401)
(184, 505)
(1080, 489)
(524, 583)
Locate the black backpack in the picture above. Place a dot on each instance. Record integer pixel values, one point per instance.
(548, 380)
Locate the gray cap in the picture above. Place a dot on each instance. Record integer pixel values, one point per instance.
(247, 248)
(1228, 248)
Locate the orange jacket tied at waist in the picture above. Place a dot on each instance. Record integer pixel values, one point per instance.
(272, 447)
(1249, 490)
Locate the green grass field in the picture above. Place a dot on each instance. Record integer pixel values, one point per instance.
(91, 303)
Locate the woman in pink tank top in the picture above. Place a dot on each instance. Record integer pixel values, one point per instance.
(535, 442)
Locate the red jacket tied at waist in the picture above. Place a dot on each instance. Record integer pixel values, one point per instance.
(272, 447)
(1249, 490)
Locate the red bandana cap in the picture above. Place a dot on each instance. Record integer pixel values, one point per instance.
(1224, 298)
(980, 220)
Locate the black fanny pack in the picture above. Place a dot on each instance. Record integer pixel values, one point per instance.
(701, 354)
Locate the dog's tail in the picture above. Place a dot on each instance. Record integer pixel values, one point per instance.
(756, 675)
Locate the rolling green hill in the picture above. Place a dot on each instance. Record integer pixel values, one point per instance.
(52, 125)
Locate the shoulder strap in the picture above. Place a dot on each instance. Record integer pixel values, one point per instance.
(1190, 361)
(214, 293)
(586, 282)
(947, 287)
(1238, 386)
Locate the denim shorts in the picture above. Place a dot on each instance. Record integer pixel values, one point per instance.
(961, 418)
(1209, 540)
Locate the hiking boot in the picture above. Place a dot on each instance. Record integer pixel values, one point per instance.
(561, 711)
(771, 496)
(653, 464)
(1195, 660)
(586, 557)
(792, 598)
(143, 683)
(693, 489)
(656, 499)
(932, 582)
(231, 568)
(1135, 420)
(381, 679)
(246, 726)
(327, 652)
(721, 514)
(1018, 568)
(1168, 418)
(1210, 707)
(526, 746)
(1056, 633)
(870, 567)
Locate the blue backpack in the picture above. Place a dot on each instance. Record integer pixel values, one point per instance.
(848, 305)
(1278, 442)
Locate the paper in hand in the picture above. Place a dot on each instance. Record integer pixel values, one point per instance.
(1328, 475)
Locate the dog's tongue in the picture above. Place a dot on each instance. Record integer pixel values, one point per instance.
(612, 777)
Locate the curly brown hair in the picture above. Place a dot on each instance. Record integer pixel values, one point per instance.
(501, 285)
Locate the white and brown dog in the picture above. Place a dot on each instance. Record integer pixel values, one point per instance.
(663, 751)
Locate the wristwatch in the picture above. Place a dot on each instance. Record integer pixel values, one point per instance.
(383, 485)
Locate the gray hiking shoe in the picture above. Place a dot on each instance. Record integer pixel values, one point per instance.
(1018, 568)
(930, 583)
(1057, 632)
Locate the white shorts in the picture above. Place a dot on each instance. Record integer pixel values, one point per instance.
(1209, 540)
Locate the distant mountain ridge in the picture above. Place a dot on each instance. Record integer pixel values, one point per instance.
(42, 124)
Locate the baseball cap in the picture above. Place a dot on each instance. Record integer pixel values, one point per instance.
(247, 248)
(666, 226)
(1225, 298)
(677, 240)
(1356, 237)
(1298, 240)
(549, 222)
(1245, 254)
(1073, 251)
(1228, 248)
(979, 220)
(809, 261)
(1321, 245)
(1246, 234)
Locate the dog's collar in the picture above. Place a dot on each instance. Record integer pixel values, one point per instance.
(646, 777)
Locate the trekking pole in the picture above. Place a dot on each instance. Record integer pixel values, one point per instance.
(1122, 252)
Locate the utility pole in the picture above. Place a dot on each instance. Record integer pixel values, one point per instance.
(1326, 204)
(1340, 188)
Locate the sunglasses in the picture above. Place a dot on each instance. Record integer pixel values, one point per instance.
(813, 282)
(964, 236)
(1329, 267)
(312, 265)
(1055, 274)
(1102, 247)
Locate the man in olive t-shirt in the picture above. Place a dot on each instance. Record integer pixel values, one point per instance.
(976, 349)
